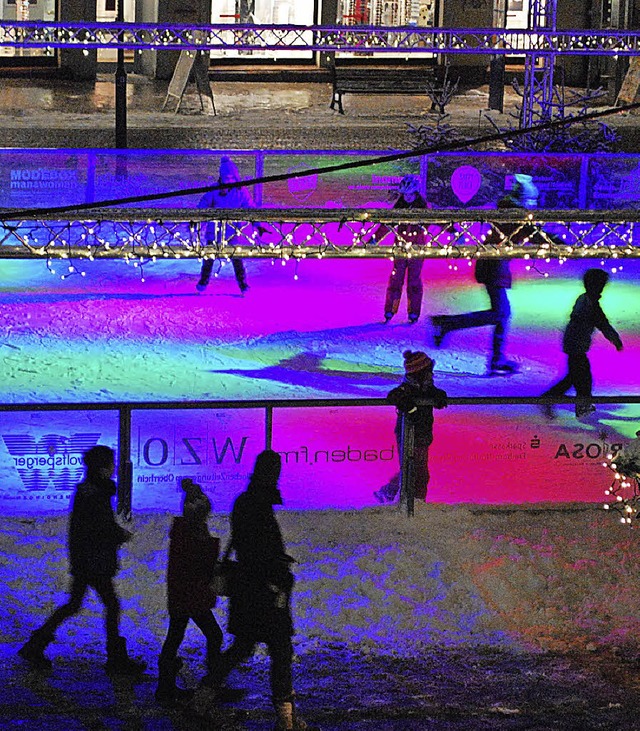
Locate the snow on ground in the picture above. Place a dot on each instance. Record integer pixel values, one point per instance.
(433, 606)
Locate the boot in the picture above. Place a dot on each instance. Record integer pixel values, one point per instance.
(287, 718)
(168, 694)
(33, 650)
(119, 663)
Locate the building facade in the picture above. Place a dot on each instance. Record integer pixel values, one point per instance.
(422, 13)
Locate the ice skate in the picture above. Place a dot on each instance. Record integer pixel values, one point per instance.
(548, 412)
(119, 662)
(503, 368)
(584, 410)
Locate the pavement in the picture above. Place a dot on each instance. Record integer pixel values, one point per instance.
(52, 113)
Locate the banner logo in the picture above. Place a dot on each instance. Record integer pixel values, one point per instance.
(53, 462)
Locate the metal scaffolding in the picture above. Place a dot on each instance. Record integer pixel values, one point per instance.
(145, 235)
(538, 92)
(542, 41)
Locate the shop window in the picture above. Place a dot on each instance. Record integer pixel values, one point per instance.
(263, 12)
(419, 13)
(27, 10)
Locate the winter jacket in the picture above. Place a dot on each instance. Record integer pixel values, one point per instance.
(234, 198)
(586, 316)
(260, 607)
(494, 273)
(411, 233)
(94, 535)
(404, 398)
(192, 560)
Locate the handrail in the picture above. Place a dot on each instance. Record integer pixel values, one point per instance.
(301, 403)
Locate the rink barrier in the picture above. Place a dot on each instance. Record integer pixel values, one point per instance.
(125, 409)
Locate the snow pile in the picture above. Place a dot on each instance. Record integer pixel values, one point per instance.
(537, 578)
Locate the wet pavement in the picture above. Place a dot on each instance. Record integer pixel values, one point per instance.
(50, 113)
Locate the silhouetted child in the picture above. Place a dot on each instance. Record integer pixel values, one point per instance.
(417, 384)
(193, 553)
(586, 316)
(94, 538)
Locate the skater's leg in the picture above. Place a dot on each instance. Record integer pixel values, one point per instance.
(207, 624)
(394, 288)
(205, 272)
(414, 288)
(240, 272)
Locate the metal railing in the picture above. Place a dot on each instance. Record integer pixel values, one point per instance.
(150, 234)
(379, 40)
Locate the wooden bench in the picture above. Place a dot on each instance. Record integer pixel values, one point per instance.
(398, 80)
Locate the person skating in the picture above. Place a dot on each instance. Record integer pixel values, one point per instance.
(94, 538)
(193, 553)
(495, 275)
(586, 316)
(417, 384)
(260, 607)
(405, 268)
(229, 233)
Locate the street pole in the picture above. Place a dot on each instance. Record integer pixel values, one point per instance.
(497, 63)
(121, 87)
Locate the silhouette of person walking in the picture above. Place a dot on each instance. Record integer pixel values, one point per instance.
(260, 607)
(193, 553)
(94, 537)
(405, 268)
(586, 316)
(495, 275)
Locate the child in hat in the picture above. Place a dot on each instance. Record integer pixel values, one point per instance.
(193, 553)
(417, 384)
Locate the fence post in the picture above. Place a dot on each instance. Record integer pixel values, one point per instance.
(268, 427)
(125, 467)
(407, 484)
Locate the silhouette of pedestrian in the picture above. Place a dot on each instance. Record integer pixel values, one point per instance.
(586, 316)
(260, 606)
(94, 537)
(417, 384)
(230, 233)
(495, 275)
(193, 553)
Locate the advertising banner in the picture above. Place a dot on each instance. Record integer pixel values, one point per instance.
(480, 180)
(41, 456)
(332, 458)
(215, 448)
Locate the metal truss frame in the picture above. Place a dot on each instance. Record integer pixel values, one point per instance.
(144, 235)
(351, 39)
(538, 91)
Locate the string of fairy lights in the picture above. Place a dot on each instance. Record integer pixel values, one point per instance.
(145, 236)
(622, 497)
